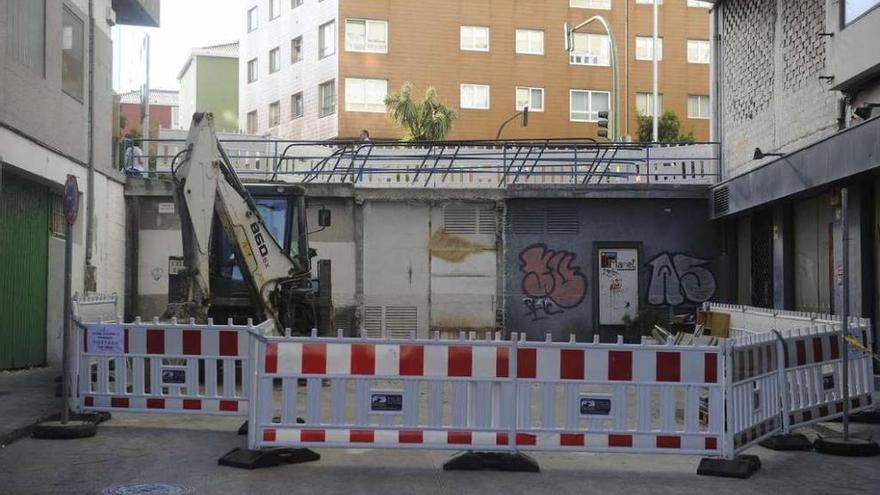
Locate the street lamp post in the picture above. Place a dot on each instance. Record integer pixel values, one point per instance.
(615, 68)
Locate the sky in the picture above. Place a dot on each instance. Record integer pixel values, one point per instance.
(184, 25)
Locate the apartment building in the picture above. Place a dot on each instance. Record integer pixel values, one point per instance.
(320, 69)
(164, 111)
(209, 83)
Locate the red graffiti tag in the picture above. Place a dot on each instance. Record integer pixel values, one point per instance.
(550, 274)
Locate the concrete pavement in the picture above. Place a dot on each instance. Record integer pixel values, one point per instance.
(184, 450)
(26, 397)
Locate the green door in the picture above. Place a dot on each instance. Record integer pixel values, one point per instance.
(24, 251)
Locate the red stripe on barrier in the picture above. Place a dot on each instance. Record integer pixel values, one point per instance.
(668, 367)
(801, 348)
(834, 340)
(817, 350)
(269, 435)
(526, 439)
(119, 402)
(363, 359)
(571, 364)
(229, 405)
(192, 404)
(89, 401)
(502, 362)
(412, 360)
(711, 443)
(526, 363)
(125, 340)
(668, 442)
(362, 436)
(458, 437)
(272, 358)
(501, 438)
(620, 365)
(571, 440)
(155, 403)
(411, 437)
(620, 440)
(314, 359)
(228, 343)
(316, 436)
(710, 368)
(192, 342)
(155, 341)
(458, 361)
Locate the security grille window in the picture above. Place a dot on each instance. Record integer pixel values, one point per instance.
(475, 38)
(327, 98)
(698, 51)
(645, 48)
(274, 114)
(252, 70)
(475, 96)
(590, 4)
(252, 122)
(698, 107)
(529, 42)
(365, 95)
(585, 105)
(645, 103)
(274, 60)
(853, 9)
(297, 109)
(362, 35)
(327, 39)
(530, 97)
(296, 50)
(73, 55)
(26, 34)
(253, 19)
(590, 49)
(58, 220)
(274, 9)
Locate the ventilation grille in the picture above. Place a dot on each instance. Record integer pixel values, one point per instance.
(562, 221)
(397, 321)
(544, 221)
(526, 221)
(720, 201)
(488, 222)
(465, 220)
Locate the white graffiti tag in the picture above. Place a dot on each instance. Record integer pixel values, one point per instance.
(679, 278)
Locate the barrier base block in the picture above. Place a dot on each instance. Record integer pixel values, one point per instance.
(787, 441)
(870, 416)
(853, 447)
(497, 461)
(255, 459)
(742, 467)
(243, 429)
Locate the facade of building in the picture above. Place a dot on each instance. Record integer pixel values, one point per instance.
(164, 111)
(801, 80)
(209, 83)
(315, 69)
(55, 122)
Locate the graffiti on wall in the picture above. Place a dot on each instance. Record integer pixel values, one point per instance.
(677, 278)
(551, 282)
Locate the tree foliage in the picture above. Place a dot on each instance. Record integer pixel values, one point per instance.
(668, 129)
(427, 119)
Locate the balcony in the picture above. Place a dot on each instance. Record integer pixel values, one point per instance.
(137, 12)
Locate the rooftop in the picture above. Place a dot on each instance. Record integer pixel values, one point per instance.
(159, 97)
(223, 50)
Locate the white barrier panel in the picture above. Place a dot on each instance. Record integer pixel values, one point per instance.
(160, 367)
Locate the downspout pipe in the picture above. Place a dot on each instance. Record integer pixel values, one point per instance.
(89, 282)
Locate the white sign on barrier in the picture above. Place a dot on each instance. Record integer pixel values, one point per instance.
(106, 339)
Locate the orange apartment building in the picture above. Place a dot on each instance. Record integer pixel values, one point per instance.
(319, 69)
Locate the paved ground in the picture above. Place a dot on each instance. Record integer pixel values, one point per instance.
(184, 450)
(26, 397)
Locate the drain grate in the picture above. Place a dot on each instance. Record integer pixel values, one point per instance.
(148, 489)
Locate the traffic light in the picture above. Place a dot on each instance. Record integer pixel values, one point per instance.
(603, 124)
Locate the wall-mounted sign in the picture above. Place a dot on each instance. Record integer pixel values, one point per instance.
(618, 282)
(166, 208)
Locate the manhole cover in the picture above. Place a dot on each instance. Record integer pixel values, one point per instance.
(148, 489)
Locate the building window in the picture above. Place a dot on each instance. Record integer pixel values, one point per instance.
(252, 122)
(274, 9)
(327, 98)
(530, 97)
(363, 35)
(296, 50)
(26, 34)
(590, 4)
(297, 109)
(475, 96)
(274, 60)
(58, 221)
(645, 104)
(253, 19)
(585, 105)
(252, 70)
(274, 114)
(327, 39)
(590, 49)
(295, 3)
(645, 48)
(73, 54)
(699, 3)
(698, 107)
(529, 42)
(475, 38)
(698, 51)
(853, 9)
(365, 95)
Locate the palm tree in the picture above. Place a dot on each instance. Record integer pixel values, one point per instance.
(424, 120)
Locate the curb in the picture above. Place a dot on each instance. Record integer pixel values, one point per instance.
(15, 435)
